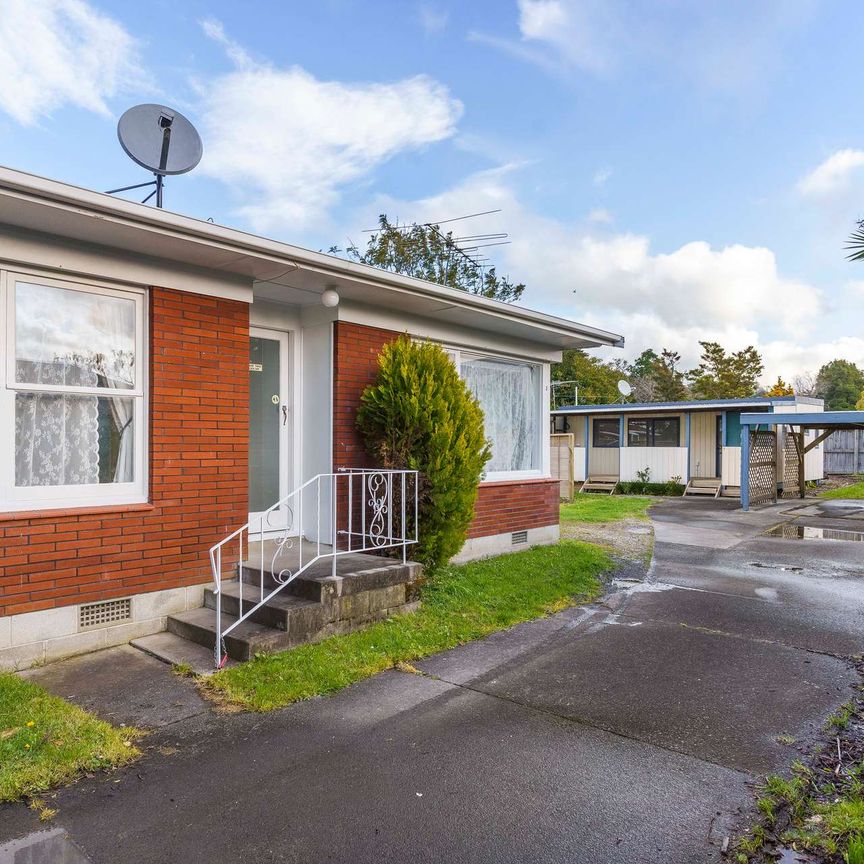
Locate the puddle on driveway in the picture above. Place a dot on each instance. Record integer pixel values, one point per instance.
(43, 847)
(808, 532)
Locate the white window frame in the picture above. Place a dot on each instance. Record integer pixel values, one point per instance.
(17, 498)
(541, 374)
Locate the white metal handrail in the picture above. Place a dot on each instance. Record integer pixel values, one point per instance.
(350, 511)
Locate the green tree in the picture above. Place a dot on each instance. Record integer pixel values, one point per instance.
(839, 383)
(420, 415)
(644, 363)
(597, 381)
(425, 252)
(725, 376)
(668, 380)
(859, 405)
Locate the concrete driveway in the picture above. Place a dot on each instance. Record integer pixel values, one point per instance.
(628, 731)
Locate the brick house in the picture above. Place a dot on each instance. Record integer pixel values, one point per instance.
(163, 378)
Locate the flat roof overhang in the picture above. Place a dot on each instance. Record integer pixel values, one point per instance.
(807, 420)
(661, 407)
(276, 271)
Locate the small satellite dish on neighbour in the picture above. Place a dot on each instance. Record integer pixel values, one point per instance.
(161, 140)
(624, 388)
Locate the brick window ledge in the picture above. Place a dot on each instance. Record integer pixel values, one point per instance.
(528, 481)
(60, 512)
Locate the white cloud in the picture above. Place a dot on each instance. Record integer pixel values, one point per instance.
(569, 268)
(311, 137)
(733, 49)
(790, 358)
(784, 357)
(735, 294)
(59, 52)
(579, 31)
(601, 216)
(833, 176)
(433, 20)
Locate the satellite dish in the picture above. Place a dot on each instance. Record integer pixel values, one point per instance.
(161, 140)
(624, 388)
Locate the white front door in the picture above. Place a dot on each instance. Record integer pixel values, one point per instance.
(269, 428)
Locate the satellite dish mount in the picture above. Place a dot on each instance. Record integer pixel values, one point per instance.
(161, 140)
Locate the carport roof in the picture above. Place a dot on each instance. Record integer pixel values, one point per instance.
(687, 405)
(808, 420)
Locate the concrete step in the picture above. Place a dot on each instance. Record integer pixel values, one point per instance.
(356, 572)
(242, 643)
(284, 612)
(175, 650)
(312, 606)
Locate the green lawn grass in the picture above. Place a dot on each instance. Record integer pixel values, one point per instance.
(605, 508)
(856, 490)
(459, 604)
(46, 741)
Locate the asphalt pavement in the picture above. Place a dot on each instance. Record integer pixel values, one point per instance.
(631, 730)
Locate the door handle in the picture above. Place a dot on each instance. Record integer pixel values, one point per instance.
(284, 414)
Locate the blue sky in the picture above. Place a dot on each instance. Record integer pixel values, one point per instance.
(673, 171)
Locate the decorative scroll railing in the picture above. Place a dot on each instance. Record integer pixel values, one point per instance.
(352, 511)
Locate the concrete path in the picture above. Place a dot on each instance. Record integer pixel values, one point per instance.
(629, 731)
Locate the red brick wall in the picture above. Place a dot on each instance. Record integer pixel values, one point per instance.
(515, 506)
(355, 365)
(198, 475)
(501, 506)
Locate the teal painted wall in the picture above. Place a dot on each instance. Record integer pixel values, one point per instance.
(733, 428)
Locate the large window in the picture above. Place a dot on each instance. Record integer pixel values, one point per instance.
(607, 432)
(654, 432)
(510, 394)
(74, 385)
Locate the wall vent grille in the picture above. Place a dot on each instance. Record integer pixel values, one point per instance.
(103, 613)
(519, 537)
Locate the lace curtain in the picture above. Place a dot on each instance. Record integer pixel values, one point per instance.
(70, 339)
(507, 393)
(57, 435)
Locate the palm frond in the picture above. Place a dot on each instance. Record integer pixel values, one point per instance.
(855, 244)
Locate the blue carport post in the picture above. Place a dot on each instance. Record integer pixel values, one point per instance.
(745, 466)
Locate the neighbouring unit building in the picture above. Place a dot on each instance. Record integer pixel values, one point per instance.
(698, 442)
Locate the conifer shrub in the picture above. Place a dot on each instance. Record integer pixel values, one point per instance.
(420, 415)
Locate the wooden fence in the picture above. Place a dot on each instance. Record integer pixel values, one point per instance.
(561, 449)
(844, 452)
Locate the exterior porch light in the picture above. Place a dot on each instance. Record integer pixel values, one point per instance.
(330, 298)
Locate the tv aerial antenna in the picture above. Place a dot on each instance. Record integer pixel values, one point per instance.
(468, 246)
(161, 140)
(564, 393)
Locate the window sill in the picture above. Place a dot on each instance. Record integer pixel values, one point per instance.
(59, 512)
(517, 481)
